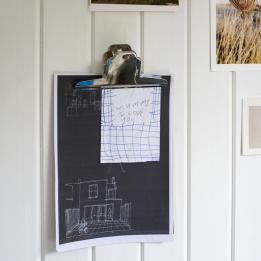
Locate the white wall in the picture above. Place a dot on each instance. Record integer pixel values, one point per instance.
(216, 190)
(19, 130)
(210, 147)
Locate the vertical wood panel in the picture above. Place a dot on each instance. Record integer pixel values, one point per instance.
(248, 180)
(128, 252)
(164, 52)
(19, 139)
(67, 48)
(211, 147)
(114, 28)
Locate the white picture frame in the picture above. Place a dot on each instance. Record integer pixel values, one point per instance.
(214, 66)
(251, 129)
(132, 8)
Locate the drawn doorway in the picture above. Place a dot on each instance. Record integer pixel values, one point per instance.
(98, 213)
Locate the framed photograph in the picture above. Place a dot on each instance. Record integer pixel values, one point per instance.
(235, 35)
(134, 5)
(251, 126)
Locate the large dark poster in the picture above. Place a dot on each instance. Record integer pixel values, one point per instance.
(112, 163)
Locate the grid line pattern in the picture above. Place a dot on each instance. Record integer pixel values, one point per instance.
(130, 141)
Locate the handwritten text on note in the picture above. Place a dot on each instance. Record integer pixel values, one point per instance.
(130, 125)
(132, 106)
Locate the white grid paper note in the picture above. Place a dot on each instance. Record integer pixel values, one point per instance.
(130, 125)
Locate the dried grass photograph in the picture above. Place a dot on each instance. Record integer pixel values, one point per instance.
(238, 32)
(137, 2)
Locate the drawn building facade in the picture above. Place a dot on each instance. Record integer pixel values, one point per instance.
(95, 203)
(77, 101)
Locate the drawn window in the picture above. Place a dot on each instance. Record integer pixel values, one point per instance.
(102, 210)
(69, 192)
(93, 191)
(111, 193)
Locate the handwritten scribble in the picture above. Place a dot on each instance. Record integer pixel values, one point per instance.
(77, 102)
(130, 125)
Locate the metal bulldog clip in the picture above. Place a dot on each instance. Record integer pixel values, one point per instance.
(122, 66)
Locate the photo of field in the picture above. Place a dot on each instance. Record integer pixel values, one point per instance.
(238, 32)
(137, 2)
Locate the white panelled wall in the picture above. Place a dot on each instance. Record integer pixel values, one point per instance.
(216, 190)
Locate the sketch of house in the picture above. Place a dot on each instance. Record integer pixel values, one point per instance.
(95, 208)
(77, 101)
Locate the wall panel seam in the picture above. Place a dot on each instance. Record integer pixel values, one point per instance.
(142, 252)
(41, 84)
(189, 86)
(142, 39)
(233, 178)
(93, 41)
